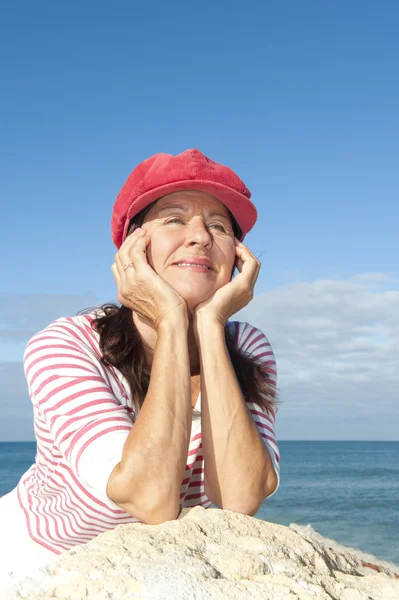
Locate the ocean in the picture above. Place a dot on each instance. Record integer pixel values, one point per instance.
(347, 491)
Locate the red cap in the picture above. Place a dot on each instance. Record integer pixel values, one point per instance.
(191, 170)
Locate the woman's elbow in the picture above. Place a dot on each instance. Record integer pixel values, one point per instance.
(250, 503)
(246, 504)
(150, 508)
(151, 514)
(271, 484)
(156, 517)
(243, 507)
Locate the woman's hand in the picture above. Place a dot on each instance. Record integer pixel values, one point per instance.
(236, 294)
(140, 288)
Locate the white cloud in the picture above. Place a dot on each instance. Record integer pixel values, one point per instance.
(337, 349)
(336, 344)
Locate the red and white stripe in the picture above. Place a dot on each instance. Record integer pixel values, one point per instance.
(82, 417)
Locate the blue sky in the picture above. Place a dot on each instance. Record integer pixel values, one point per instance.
(299, 97)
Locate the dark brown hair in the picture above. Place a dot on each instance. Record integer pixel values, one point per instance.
(122, 347)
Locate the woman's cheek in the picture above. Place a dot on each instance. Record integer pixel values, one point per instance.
(150, 254)
(158, 251)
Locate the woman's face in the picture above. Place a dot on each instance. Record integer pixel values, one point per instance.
(185, 226)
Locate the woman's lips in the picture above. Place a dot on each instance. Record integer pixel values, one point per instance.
(194, 267)
(201, 264)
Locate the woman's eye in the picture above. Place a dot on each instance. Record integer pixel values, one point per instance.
(174, 220)
(178, 220)
(218, 226)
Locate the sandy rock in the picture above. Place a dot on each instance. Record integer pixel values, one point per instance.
(205, 555)
(308, 531)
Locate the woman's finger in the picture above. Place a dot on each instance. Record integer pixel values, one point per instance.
(124, 257)
(246, 257)
(239, 263)
(247, 263)
(131, 239)
(121, 268)
(115, 273)
(138, 253)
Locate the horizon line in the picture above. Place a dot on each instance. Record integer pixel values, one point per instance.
(278, 441)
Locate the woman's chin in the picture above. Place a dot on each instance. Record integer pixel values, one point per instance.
(192, 300)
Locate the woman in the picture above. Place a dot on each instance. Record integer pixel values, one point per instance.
(163, 402)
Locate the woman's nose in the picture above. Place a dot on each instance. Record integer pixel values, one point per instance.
(198, 233)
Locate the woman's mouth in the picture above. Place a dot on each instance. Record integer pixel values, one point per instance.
(201, 264)
(194, 267)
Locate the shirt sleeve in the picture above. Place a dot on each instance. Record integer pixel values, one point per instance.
(77, 397)
(253, 342)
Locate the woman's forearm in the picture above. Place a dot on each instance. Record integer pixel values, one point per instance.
(238, 470)
(147, 481)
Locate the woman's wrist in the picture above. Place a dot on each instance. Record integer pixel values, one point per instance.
(205, 325)
(174, 319)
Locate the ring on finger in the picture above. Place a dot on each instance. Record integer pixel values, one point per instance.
(127, 266)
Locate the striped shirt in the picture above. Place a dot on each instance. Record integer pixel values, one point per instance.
(82, 416)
